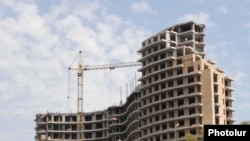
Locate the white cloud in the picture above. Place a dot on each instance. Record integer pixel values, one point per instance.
(201, 18)
(223, 9)
(142, 7)
(37, 48)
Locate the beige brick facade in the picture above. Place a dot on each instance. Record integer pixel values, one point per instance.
(181, 90)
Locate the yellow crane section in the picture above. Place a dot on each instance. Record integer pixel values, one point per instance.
(80, 70)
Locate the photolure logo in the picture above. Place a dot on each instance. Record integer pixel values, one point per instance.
(226, 132)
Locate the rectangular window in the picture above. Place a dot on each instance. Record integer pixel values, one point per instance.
(180, 113)
(179, 71)
(180, 91)
(180, 102)
(163, 95)
(191, 111)
(170, 104)
(190, 69)
(179, 81)
(192, 121)
(171, 114)
(163, 106)
(163, 116)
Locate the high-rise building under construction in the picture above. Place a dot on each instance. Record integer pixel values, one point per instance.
(180, 91)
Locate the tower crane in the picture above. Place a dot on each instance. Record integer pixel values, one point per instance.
(80, 70)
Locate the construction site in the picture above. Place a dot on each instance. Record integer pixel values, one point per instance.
(179, 91)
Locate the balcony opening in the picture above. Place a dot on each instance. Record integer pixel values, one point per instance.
(155, 38)
(74, 127)
(215, 89)
(162, 66)
(180, 102)
(157, 127)
(190, 79)
(162, 56)
(170, 104)
(149, 41)
(180, 113)
(156, 97)
(179, 61)
(180, 91)
(179, 52)
(164, 126)
(88, 135)
(169, 53)
(169, 63)
(170, 73)
(181, 123)
(162, 46)
(68, 118)
(157, 118)
(172, 38)
(164, 136)
(192, 121)
(170, 94)
(155, 58)
(191, 90)
(99, 117)
(179, 71)
(171, 115)
(170, 84)
(171, 125)
(171, 135)
(163, 116)
(88, 118)
(191, 100)
(156, 77)
(179, 81)
(163, 75)
(156, 88)
(157, 108)
(99, 125)
(163, 95)
(88, 126)
(185, 28)
(217, 120)
(190, 69)
(163, 36)
(193, 131)
(216, 110)
(215, 76)
(99, 134)
(163, 106)
(191, 111)
(181, 133)
(216, 99)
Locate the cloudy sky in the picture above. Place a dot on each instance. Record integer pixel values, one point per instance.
(40, 39)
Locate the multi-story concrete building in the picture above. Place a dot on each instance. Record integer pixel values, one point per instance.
(116, 123)
(180, 91)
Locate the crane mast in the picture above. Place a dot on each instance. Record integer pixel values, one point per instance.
(80, 98)
(80, 70)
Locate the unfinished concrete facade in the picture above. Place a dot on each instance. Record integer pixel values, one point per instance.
(113, 124)
(180, 91)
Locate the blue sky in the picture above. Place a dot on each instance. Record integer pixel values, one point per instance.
(40, 39)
